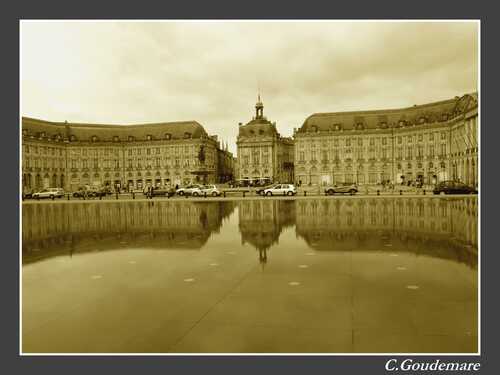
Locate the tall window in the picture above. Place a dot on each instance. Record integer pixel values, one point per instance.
(431, 151)
(301, 155)
(443, 149)
(409, 153)
(313, 155)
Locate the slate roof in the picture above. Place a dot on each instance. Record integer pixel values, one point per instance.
(418, 114)
(103, 132)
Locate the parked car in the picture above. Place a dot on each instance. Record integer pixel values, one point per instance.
(27, 194)
(163, 191)
(342, 189)
(453, 187)
(260, 190)
(49, 193)
(281, 189)
(210, 190)
(90, 191)
(193, 190)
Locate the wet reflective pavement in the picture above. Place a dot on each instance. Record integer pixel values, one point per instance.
(395, 275)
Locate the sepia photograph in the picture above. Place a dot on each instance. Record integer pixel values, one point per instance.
(249, 187)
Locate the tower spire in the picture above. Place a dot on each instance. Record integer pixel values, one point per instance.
(259, 107)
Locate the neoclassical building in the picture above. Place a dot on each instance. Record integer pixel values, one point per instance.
(430, 142)
(262, 152)
(70, 155)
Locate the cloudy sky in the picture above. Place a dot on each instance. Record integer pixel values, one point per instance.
(139, 72)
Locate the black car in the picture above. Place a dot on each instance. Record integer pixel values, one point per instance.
(163, 192)
(453, 187)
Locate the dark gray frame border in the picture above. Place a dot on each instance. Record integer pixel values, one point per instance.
(244, 10)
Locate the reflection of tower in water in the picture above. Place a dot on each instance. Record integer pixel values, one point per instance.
(262, 221)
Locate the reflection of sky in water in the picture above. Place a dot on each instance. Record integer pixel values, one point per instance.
(342, 275)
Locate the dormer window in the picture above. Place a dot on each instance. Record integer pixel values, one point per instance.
(116, 138)
(359, 126)
(383, 125)
(444, 117)
(261, 131)
(130, 138)
(187, 135)
(149, 137)
(314, 128)
(72, 138)
(94, 138)
(402, 123)
(42, 135)
(422, 120)
(337, 127)
(25, 132)
(168, 136)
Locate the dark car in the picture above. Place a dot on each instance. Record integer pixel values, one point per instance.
(163, 192)
(345, 188)
(453, 187)
(90, 191)
(27, 194)
(260, 190)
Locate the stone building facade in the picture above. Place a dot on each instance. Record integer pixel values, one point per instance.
(431, 143)
(262, 152)
(71, 155)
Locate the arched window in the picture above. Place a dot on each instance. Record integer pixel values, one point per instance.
(131, 138)
(94, 138)
(116, 138)
(168, 136)
(72, 138)
(149, 137)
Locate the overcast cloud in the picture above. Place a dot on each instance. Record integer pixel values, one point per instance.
(131, 72)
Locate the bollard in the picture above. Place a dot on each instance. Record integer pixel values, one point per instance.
(133, 195)
(83, 195)
(100, 197)
(378, 192)
(305, 193)
(224, 194)
(68, 196)
(423, 191)
(205, 194)
(401, 192)
(244, 194)
(117, 195)
(186, 196)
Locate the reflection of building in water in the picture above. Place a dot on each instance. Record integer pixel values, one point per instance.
(373, 223)
(164, 224)
(262, 221)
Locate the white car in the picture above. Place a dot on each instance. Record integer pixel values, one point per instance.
(281, 189)
(49, 193)
(194, 190)
(210, 190)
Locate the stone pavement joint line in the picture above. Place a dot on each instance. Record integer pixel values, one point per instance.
(252, 268)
